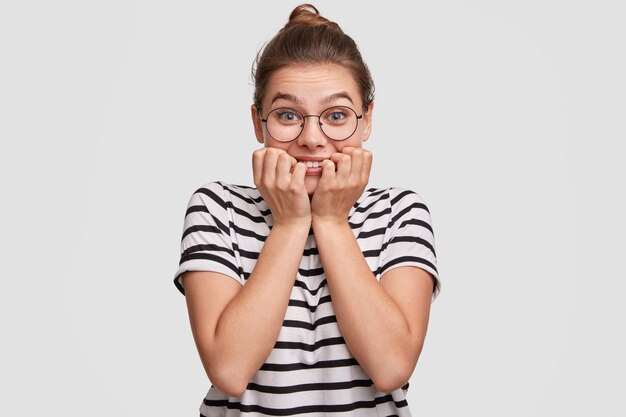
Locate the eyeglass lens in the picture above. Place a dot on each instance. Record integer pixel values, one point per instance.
(285, 124)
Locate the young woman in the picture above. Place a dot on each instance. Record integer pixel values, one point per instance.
(308, 295)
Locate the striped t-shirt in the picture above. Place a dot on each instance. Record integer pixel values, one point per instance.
(310, 371)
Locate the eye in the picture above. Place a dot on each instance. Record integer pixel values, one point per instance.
(336, 115)
(287, 115)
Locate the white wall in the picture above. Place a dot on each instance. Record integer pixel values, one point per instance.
(507, 117)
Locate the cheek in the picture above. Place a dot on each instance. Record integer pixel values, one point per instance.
(354, 143)
(271, 143)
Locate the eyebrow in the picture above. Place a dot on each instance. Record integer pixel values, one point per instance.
(288, 97)
(325, 100)
(336, 96)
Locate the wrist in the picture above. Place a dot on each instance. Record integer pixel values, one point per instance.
(301, 225)
(329, 221)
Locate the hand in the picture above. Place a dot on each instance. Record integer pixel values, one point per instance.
(343, 180)
(280, 180)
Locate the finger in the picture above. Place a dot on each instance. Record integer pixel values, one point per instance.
(298, 174)
(356, 164)
(343, 168)
(257, 165)
(269, 167)
(328, 170)
(336, 157)
(348, 150)
(367, 165)
(283, 170)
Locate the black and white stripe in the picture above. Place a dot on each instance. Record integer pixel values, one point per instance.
(310, 371)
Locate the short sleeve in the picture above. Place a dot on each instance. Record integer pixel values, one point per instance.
(410, 240)
(206, 243)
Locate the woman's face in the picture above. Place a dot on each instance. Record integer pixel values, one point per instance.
(309, 90)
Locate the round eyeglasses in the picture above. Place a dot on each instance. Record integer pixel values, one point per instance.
(337, 123)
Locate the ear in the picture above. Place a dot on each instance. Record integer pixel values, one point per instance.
(258, 124)
(367, 121)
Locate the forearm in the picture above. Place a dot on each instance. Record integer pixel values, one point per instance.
(249, 326)
(373, 326)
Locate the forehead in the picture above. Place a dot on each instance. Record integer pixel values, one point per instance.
(312, 84)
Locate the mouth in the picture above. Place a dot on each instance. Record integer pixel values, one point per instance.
(313, 167)
(313, 164)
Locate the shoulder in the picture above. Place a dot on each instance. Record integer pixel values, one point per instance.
(398, 204)
(403, 197)
(225, 194)
(395, 198)
(408, 204)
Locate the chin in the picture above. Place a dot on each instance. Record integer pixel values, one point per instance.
(310, 183)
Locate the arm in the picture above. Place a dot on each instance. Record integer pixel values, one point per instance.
(383, 323)
(235, 327)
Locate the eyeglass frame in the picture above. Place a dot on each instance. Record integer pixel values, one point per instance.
(319, 116)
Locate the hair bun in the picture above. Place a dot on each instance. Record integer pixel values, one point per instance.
(308, 15)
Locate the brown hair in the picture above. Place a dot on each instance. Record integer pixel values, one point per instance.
(309, 38)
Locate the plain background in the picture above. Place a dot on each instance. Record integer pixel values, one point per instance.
(506, 116)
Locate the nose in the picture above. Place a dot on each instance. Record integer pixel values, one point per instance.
(312, 135)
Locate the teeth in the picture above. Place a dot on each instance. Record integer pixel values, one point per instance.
(313, 164)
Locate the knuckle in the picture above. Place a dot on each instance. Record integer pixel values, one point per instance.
(267, 183)
(257, 155)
